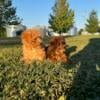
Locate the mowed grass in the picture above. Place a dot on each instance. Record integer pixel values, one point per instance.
(82, 71)
(80, 41)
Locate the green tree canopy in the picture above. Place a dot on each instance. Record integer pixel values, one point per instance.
(62, 17)
(2, 1)
(92, 24)
(8, 13)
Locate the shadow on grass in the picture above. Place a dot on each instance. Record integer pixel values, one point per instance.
(86, 82)
(70, 50)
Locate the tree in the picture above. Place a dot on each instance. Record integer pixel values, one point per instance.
(2, 29)
(99, 29)
(1, 1)
(80, 31)
(1, 11)
(62, 18)
(7, 16)
(8, 13)
(92, 24)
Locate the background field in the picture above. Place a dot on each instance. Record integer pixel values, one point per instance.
(77, 80)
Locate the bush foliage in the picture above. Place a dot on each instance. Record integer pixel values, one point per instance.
(78, 80)
(36, 81)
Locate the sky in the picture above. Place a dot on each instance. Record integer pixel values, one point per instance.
(36, 12)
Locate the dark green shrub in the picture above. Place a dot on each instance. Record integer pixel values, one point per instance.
(80, 80)
(36, 81)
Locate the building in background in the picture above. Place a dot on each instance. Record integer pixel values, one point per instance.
(43, 29)
(46, 31)
(73, 31)
(14, 30)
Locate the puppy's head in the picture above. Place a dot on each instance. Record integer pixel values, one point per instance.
(31, 37)
(26, 36)
(57, 41)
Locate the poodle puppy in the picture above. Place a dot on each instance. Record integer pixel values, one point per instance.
(32, 46)
(55, 50)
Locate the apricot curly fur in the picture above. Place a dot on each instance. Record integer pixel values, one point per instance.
(32, 46)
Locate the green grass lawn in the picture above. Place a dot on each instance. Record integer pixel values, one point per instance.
(80, 41)
(77, 80)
